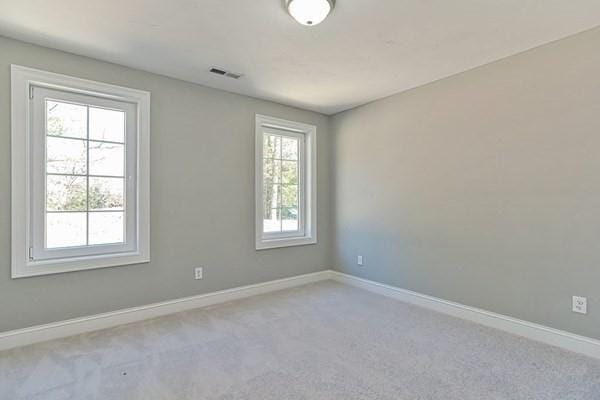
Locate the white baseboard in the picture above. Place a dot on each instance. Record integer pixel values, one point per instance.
(530, 330)
(555, 337)
(41, 333)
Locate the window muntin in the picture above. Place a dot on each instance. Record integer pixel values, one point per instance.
(283, 168)
(285, 183)
(70, 121)
(85, 175)
(83, 169)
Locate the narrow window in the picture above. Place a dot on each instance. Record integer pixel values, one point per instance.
(285, 183)
(80, 173)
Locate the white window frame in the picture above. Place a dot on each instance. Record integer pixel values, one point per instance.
(27, 258)
(307, 222)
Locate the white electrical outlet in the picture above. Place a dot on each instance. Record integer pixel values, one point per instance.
(580, 305)
(198, 273)
(359, 260)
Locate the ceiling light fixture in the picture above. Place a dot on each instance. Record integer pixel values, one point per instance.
(310, 12)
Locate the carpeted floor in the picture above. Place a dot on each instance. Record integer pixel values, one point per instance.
(320, 341)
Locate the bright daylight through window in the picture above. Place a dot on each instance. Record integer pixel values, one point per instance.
(285, 183)
(85, 181)
(281, 174)
(83, 201)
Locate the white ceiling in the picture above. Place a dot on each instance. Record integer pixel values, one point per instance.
(367, 49)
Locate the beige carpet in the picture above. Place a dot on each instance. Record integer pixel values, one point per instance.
(320, 341)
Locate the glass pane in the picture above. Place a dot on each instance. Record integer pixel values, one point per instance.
(289, 218)
(271, 146)
(289, 148)
(107, 125)
(107, 193)
(272, 220)
(107, 159)
(65, 119)
(65, 229)
(271, 197)
(66, 193)
(289, 172)
(66, 156)
(272, 171)
(289, 196)
(106, 227)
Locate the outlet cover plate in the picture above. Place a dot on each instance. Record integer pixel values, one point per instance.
(579, 305)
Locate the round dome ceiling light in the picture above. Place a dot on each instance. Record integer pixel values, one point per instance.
(310, 12)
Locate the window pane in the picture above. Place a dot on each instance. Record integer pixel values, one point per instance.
(107, 159)
(107, 125)
(65, 229)
(272, 171)
(289, 196)
(106, 227)
(106, 193)
(289, 218)
(289, 172)
(289, 148)
(65, 119)
(66, 193)
(66, 156)
(272, 146)
(271, 197)
(272, 220)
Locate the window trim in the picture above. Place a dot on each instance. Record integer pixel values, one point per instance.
(23, 79)
(39, 177)
(300, 232)
(309, 205)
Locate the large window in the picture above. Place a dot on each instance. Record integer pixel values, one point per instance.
(80, 174)
(285, 183)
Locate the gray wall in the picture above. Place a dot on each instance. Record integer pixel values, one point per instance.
(482, 188)
(202, 199)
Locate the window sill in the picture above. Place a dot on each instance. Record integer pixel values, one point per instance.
(58, 266)
(264, 244)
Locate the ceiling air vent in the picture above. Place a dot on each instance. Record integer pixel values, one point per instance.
(223, 72)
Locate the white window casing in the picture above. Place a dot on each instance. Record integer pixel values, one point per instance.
(32, 93)
(287, 184)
